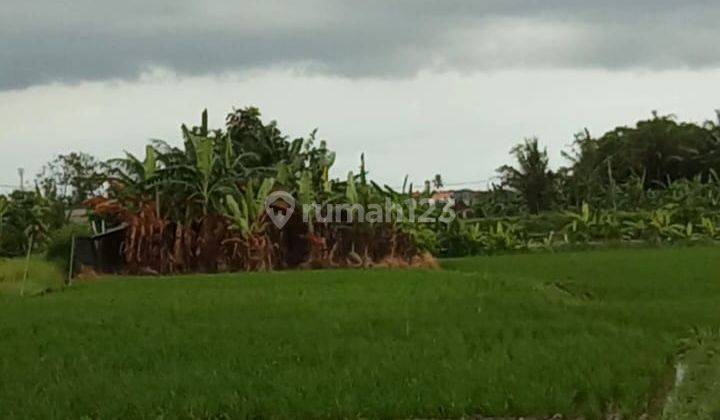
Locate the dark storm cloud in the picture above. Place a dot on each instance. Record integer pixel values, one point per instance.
(43, 41)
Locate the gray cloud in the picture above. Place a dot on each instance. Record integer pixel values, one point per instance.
(45, 41)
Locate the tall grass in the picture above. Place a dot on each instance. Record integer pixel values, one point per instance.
(42, 276)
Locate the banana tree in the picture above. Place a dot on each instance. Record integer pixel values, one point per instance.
(710, 228)
(505, 236)
(662, 228)
(582, 224)
(134, 178)
(247, 217)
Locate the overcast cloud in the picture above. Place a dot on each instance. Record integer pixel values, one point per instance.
(422, 87)
(43, 41)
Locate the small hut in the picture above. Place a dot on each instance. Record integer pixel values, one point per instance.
(102, 252)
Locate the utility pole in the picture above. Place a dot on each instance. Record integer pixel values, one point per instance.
(21, 172)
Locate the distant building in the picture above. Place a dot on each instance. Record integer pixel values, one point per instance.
(439, 197)
(467, 197)
(464, 200)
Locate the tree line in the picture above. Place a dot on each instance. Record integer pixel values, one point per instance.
(648, 156)
(177, 199)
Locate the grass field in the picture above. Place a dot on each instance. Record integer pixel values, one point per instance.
(571, 333)
(42, 277)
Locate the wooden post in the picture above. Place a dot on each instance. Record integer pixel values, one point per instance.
(71, 264)
(27, 265)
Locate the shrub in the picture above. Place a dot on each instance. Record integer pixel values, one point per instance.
(23, 211)
(58, 248)
(546, 230)
(460, 239)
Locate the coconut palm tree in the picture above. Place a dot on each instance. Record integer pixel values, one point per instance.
(532, 177)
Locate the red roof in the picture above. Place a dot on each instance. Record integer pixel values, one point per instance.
(442, 195)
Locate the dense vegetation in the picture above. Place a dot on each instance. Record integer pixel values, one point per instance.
(655, 182)
(200, 207)
(586, 334)
(612, 171)
(683, 211)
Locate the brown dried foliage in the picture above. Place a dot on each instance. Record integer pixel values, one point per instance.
(154, 245)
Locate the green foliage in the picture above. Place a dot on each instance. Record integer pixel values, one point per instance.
(661, 228)
(247, 216)
(710, 227)
(462, 238)
(652, 182)
(150, 163)
(582, 225)
(60, 243)
(238, 215)
(135, 177)
(351, 190)
(500, 202)
(532, 178)
(306, 190)
(4, 206)
(615, 191)
(26, 214)
(71, 178)
(659, 148)
(609, 227)
(423, 237)
(192, 182)
(505, 237)
(588, 226)
(657, 162)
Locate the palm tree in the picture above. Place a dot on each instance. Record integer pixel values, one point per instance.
(437, 181)
(532, 178)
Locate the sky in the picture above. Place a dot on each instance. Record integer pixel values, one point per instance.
(420, 86)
